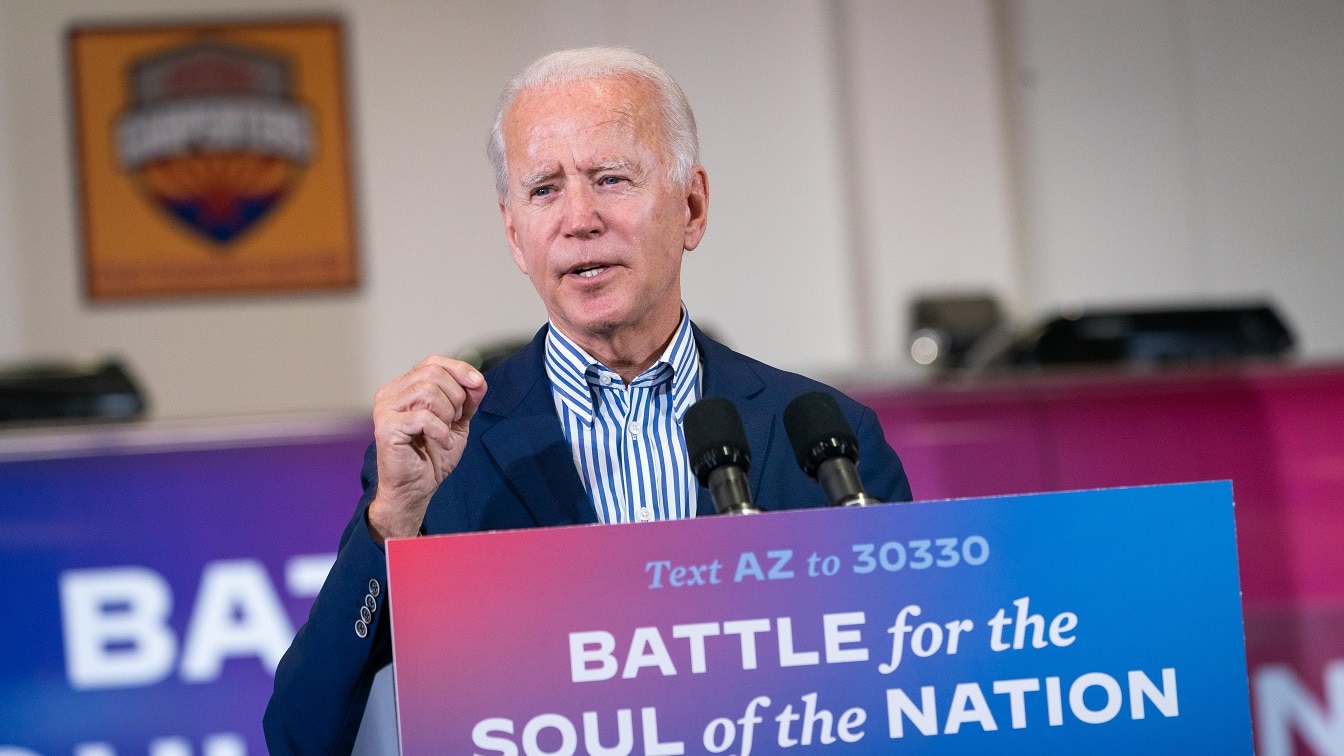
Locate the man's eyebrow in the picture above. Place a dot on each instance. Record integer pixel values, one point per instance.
(538, 177)
(614, 165)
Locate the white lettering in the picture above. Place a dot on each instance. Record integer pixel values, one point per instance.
(652, 745)
(625, 735)
(304, 575)
(968, 702)
(647, 650)
(581, 656)
(747, 629)
(696, 633)
(483, 736)
(249, 125)
(899, 705)
(1063, 623)
(224, 744)
(1097, 680)
(1165, 700)
(569, 739)
(1054, 704)
(852, 718)
(787, 656)
(169, 747)
(237, 614)
(1283, 706)
(115, 626)
(1016, 690)
(835, 637)
(813, 717)
(978, 711)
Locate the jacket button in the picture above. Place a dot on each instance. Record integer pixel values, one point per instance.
(374, 588)
(365, 615)
(371, 602)
(361, 628)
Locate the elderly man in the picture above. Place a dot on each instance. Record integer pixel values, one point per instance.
(601, 193)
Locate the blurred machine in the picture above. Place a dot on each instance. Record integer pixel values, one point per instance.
(969, 332)
(69, 391)
(946, 327)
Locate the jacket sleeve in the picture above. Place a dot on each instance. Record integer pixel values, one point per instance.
(880, 468)
(323, 680)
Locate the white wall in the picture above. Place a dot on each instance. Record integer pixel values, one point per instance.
(201, 357)
(1269, 131)
(440, 273)
(439, 276)
(424, 76)
(858, 153)
(931, 160)
(1178, 149)
(11, 334)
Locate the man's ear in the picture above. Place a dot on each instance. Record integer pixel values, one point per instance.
(697, 207)
(511, 233)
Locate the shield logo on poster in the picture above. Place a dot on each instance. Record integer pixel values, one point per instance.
(213, 136)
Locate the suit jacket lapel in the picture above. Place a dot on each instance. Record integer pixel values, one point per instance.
(730, 375)
(532, 456)
(527, 445)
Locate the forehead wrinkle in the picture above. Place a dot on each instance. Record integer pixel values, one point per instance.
(625, 106)
(641, 118)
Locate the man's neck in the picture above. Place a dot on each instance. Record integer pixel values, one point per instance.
(627, 352)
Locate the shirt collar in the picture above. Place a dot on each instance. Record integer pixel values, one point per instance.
(576, 377)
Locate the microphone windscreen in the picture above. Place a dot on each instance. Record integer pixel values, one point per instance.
(714, 436)
(818, 430)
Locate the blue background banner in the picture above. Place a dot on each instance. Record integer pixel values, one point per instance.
(154, 585)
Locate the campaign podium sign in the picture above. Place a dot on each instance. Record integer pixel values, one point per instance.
(1104, 621)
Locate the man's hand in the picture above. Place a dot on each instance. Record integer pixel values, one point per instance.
(420, 424)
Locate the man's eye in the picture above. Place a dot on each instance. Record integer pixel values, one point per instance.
(610, 180)
(542, 191)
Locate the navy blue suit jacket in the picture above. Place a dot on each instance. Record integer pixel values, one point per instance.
(518, 472)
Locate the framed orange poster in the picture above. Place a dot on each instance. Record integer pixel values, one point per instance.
(213, 158)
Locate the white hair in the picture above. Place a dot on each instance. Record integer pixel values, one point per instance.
(681, 144)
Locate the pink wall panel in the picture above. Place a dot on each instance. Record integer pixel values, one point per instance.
(1277, 431)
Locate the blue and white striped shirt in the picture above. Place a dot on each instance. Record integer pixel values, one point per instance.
(627, 440)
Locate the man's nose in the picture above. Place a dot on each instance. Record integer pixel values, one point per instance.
(582, 218)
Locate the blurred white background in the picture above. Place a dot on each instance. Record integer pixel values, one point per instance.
(1055, 152)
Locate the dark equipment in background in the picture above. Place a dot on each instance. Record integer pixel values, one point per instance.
(954, 332)
(486, 356)
(67, 391)
(1148, 338)
(945, 327)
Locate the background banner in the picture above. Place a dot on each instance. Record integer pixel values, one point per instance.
(157, 576)
(1091, 621)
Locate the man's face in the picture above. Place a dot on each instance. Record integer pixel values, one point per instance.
(591, 216)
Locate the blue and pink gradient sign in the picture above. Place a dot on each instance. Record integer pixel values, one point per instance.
(156, 576)
(1095, 621)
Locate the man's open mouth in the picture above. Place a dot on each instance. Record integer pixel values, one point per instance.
(588, 271)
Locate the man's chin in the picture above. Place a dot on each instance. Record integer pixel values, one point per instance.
(593, 323)
(607, 319)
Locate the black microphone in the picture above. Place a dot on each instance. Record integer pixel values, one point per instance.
(720, 456)
(826, 447)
